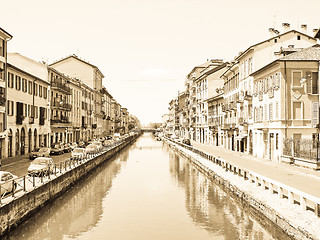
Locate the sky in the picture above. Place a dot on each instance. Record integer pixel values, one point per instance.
(146, 48)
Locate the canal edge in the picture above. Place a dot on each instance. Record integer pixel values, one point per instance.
(256, 205)
(18, 210)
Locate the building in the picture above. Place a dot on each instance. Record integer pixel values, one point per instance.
(208, 85)
(238, 84)
(4, 38)
(61, 107)
(76, 104)
(286, 106)
(92, 77)
(28, 101)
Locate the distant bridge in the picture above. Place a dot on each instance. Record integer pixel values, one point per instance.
(149, 130)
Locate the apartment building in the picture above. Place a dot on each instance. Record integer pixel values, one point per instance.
(76, 104)
(61, 126)
(4, 38)
(208, 85)
(191, 100)
(216, 117)
(286, 103)
(91, 76)
(106, 111)
(28, 103)
(238, 83)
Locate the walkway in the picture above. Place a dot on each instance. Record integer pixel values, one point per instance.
(302, 179)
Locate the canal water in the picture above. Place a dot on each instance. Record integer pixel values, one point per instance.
(146, 192)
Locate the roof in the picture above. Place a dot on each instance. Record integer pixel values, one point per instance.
(9, 36)
(213, 70)
(77, 58)
(306, 54)
(277, 36)
(28, 65)
(317, 35)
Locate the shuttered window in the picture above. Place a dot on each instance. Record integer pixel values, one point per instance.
(315, 113)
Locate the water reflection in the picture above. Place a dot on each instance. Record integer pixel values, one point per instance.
(77, 211)
(212, 209)
(146, 192)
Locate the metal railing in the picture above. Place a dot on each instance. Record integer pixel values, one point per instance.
(9, 190)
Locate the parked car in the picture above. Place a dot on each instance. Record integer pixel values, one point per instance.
(116, 136)
(40, 165)
(186, 141)
(91, 149)
(41, 152)
(67, 147)
(98, 144)
(57, 148)
(78, 153)
(81, 144)
(6, 179)
(73, 145)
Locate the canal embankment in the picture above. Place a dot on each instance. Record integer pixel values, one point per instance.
(294, 211)
(26, 202)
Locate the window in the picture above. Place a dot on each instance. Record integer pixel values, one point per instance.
(296, 77)
(275, 40)
(312, 82)
(40, 91)
(45, 93)
(30, 87)
(18, 82)
(297, 110)
(277, 141)
(10, 108)
(298, 37)
(2, 47)
(277, 110)
(270, 112)
(265, 112)
(35, 89)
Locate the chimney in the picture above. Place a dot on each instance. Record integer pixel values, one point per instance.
(285, 27)
(304, 28)
(272, 33)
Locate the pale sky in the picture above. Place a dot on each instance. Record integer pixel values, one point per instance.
(146, 48)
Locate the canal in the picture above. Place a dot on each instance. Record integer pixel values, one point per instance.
(146, 192)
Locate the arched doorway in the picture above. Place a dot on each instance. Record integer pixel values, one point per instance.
(29, 140)
(10, 143)
(17, 142)
(23, 141)
(35, 139)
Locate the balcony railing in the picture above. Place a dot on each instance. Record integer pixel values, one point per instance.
(61, 119)
(61, 86)
(61, 105)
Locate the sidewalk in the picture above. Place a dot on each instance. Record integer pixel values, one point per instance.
(302, 179)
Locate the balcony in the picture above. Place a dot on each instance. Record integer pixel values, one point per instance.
(58, 120)
(61, 86)
(61, 105)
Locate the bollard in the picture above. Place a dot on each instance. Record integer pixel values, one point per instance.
(24, 183)
(13, 188)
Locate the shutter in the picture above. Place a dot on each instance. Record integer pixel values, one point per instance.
(315, 114)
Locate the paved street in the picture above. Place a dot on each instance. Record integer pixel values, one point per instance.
(303, 179)
(19, 166)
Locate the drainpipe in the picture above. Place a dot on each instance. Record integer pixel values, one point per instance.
(285, 100)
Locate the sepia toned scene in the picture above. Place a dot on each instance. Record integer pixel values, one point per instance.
(145, 120)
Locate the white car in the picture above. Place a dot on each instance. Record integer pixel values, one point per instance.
(6, 179)
(78, 153)
(98, 144)
(91, 149)
(40, 166)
